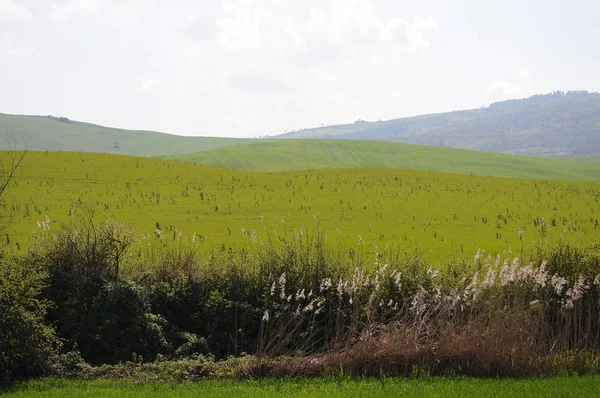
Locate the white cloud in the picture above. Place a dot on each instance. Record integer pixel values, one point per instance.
(411, 35)
(126, 12)
(257, 81)
(148, 83)
(9, 49)
(303, 27)
(62, 14)
(520, 86)
(11, 9)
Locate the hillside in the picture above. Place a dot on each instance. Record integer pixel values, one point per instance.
(441, 214)
(558, 124)
(285, 155)
(61, 134)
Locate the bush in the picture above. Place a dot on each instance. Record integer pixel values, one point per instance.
(108, 319)
(26, 343)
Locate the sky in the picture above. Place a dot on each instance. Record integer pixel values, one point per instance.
(250, 68)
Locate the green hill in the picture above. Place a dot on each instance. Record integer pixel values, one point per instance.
(273, 156)
(440, 214)
(558, 124)
(61, 134)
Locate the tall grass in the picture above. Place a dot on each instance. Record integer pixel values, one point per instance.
(301, 307)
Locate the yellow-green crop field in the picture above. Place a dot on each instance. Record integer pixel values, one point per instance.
(438, 214)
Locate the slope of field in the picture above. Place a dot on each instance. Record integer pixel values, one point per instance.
(438, 214)
(274, 156)
(59, 134)
(557, 124)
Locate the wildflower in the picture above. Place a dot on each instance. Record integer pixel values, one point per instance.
(326, 284)
(381, 270)
(453, 298)
(418, 304)
(319, 308)
(282, 281)
(471, 288)
(526, 273)
(490, 278)
(542, 275)
(504, 273)
(398, 279)
(308, 308)
(266, 316)
(580, 288)
(273, 289)
(244, 231)
(558, 283)
(477, 256)
(300, 295)
(390, 303)
(340, 287)
(432, 273)
(597, 280)
(474, 281)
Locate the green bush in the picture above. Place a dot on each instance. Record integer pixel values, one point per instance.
(106, 318)
(26, 342)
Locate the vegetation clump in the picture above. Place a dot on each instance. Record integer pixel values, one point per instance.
(91, 301)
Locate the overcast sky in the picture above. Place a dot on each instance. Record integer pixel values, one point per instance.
(248, 68)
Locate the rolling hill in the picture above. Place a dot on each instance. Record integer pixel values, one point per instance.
(440, 214)
(61, 134)
(557, 124)
(286, 155)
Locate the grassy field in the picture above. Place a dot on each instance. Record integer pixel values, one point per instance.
(439, 214)
(43, 133)
(582, 386)
(274, 156)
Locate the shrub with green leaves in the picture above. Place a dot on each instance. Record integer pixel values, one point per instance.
(26, 342)
(106, 318)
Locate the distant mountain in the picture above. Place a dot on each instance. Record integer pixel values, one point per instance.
(61, 134)
(557, 124)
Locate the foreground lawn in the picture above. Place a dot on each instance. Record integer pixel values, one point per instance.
(577, 386)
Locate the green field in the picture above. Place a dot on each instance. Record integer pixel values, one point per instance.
(438, 214)
(43, 133)
(576, 386)
(274, 156)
